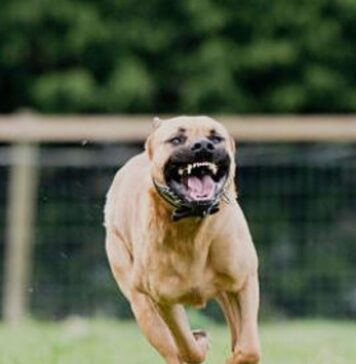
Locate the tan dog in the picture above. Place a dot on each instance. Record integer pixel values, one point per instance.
(175, 235)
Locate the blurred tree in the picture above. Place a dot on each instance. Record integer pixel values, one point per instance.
(187, 56)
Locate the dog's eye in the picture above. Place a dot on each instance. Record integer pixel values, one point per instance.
(177, 140)
(216, 139)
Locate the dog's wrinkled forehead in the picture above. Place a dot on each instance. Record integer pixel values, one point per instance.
(192, 127)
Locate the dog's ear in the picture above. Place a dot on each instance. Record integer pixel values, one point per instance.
(156, 122)
(148, 147)
(232, 143)
(148, 144)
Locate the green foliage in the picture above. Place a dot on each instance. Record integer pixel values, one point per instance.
(184, 56)
(68, 91)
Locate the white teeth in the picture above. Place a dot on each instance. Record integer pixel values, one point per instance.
(213, 168)
(188, 169)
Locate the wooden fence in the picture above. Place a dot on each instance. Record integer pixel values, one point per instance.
(26, 131)
(35, 128)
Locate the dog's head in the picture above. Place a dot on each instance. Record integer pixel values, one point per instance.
(193, 156)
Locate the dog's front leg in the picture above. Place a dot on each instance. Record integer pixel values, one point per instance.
(192, 348)
(144, 309)
(154, 328)
(247, 347)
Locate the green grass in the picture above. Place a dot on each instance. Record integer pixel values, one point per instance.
(103, 341)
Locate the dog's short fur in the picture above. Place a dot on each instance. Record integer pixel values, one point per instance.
(161, 265)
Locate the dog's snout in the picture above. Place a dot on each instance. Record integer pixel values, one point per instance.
(203, 145)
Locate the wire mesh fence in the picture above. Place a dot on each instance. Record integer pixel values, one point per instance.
(3, 188)
(299, 198)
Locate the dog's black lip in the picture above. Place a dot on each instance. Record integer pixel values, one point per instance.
(186, 155)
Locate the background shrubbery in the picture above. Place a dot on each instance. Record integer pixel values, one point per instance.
(129, 56)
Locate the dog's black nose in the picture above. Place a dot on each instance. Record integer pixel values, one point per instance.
(203, 146)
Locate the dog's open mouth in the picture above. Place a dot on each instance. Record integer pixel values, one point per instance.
(197, 181)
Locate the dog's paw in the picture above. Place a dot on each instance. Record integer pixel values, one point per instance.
(198, 354)
(199, 333)
(202, 339)
(244, 357)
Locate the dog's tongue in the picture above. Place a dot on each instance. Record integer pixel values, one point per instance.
(201, 188)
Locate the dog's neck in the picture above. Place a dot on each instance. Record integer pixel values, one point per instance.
(180, 236)
(161, 217)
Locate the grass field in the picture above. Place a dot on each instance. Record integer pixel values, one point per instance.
(102, 341)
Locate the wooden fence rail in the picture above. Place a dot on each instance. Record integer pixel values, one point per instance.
(59, 129)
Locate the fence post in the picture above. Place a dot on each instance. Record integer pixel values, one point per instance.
(22, 198)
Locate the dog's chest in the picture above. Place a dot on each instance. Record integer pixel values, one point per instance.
(179, 276)
(176, 267)
(191, 289)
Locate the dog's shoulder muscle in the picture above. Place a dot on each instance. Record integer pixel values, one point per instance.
(124, 192)
(232, 252)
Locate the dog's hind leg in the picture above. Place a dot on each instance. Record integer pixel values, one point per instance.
(192, 346)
